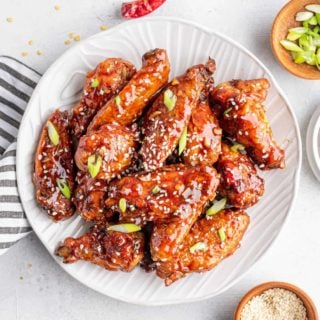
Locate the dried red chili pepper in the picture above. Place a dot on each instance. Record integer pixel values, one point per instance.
(139, 8)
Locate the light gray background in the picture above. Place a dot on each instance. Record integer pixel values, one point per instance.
(32, 285)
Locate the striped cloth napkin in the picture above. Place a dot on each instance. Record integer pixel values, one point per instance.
(17, 81)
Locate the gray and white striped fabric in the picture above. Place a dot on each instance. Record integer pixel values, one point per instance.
(17, 81)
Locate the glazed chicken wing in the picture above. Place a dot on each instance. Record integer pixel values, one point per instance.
(210, 240)
(106, 152)
(169, 192)
(54, 168)
(203, 137)
(170, 114)
(239, 181)
(108, 78)
(111, 250)
(135, 96)
(243, 117)
(89, 198)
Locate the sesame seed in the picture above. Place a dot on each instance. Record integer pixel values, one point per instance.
(103, 27)
(57, 7)
(9, 19)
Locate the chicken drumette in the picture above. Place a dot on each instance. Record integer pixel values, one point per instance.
(54, 168)
(210, 240)
(111, 250)
(239, 181)
(242, 116)
(203, 137)
(128, 105)
(101, 84)
(170, 114)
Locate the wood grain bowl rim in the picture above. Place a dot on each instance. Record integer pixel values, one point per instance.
(307, 301)
(282, 55)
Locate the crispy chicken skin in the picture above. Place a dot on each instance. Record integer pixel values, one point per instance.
(243, 117)
(111, 250)
(108, 78)
(205, 231)
(135, 96)
(203, 137)
(162, 127)
(239, 181)
(169, 192)
(90, 196)
(53, 162)
(113, 143)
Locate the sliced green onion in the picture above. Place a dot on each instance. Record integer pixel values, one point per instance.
(118, 101)
(53, 133)
(306, 24)
(304, 15)
(313, 21)
(237, 147)
(123, 205)
(313, 7)
(318, 18)
(95, 83)
(124, 228)
(199, 246)
(316, 42)
(156, 190)
(227, 111)
(64, 188)
(183, 140)
(292, 36)
(291, 46)
(94, 165)
(306, 42)
(316, 30)
(222, 234)
(169, 99)
(216, 207)
(300, 30)
(318, 59)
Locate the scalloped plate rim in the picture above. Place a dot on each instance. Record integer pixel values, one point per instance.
(279, 91)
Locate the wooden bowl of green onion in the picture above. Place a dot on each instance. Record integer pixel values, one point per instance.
(295, 38)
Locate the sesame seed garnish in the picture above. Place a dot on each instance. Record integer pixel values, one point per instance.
(67, 42)
(77, 38)
(71, 35)
(9, 19)
(39, 52)
(103, 27)
(24, 53)
(30, 42)
(57, 7)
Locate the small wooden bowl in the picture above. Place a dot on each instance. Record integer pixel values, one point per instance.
(284, 21)
(308, 303)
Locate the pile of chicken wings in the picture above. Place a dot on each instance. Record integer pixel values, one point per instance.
(163, 170)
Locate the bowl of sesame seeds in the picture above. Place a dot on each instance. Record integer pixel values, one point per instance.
(276, 301)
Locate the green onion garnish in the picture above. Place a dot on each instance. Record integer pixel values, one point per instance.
(94, 165)
(124, 228)
(169, 99)
(156, 190)
(64, 188)
(53, 133)
(291, 46)
(183, 140)
(216, 207)
(237, 147)
(95, 83)
(222, 234)
(227, 111)
(199, 246)
(123, 205)
(118, 101)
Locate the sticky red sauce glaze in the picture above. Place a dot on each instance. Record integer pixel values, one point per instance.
(108, 249)
(162, 127)
(136, 95)
(116, 145)
(239, 180)
(89, 198)
(243, 117)
(139, 8)
(52, 163)
(203, 137)
(105, 81)
(205, 230)
(180, 187)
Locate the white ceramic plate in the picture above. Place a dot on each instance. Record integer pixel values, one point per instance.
(187, 44)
